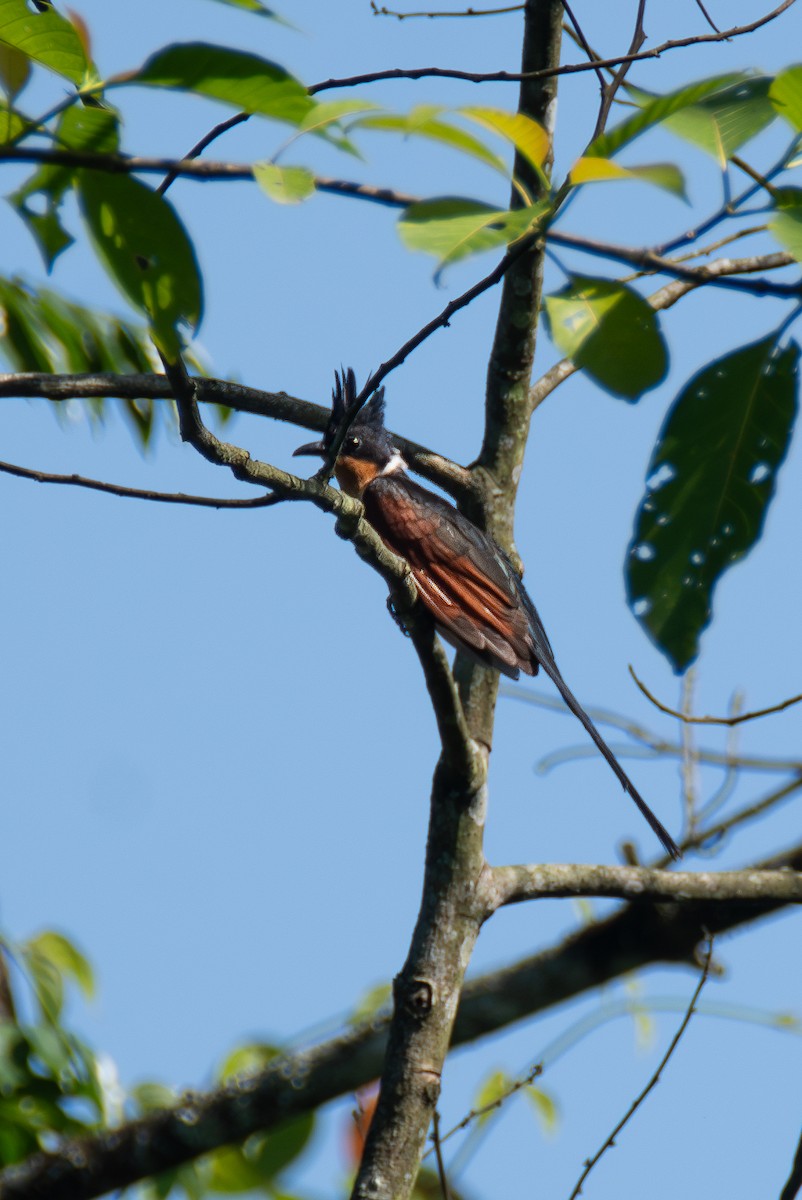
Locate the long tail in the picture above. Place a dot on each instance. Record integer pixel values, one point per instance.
(552, 670)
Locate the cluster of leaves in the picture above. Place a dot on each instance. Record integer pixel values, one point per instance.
(690, 526)
(54, 1086)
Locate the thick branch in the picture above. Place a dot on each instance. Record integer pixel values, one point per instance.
(278, 405)
(639, 936)
(511, 885)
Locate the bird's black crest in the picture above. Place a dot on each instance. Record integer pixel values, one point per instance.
(343, 397)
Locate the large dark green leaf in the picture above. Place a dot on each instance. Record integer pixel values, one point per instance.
(145, 249)
(46, 37)
(248, 82)
(611, 332)
(15, 70)
(710, 482)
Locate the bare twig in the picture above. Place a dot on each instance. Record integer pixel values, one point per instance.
(794, 1183)
(466, 12)
(759, 179)
(199, 147)
(610, 1140)
(585, 44)
(611, 89)
(550, 72)
(116, 489)
(707, 16)
(690, 759)
(438, 1153)
(493, 1105)
(738, 719)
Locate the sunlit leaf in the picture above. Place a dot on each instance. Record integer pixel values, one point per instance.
(285, 185)
(785, 94)
(722, 123)
(492, 1093)
(46, 37)
(545, 1106)
(256, 7)
(145, 250)
(246, 1060)
(653, 110)
(610, 331)
(527, 136)
(250, 83)
(590, 169)
(235, 1169)
(453, 228)
(786, 226)
(15, 70)
(425, 121)
(66, 957)
(710, 481)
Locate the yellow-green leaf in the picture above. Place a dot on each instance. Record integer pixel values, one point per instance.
(545, 1106)
(452, 228)
(786, 226)
(46, 37)
(66, 958)
(424, 121)
(527, 136)
(785, 94)
(590, 169)
(15, 70)
(285, 185)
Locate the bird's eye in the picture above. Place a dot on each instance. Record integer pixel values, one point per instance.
(355, 442)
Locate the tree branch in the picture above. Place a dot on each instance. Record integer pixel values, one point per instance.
(638, 936)
(512, 885)
(278, 405)
(550, 72)
(736, 719)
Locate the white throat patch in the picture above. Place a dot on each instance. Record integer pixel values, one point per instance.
(395, 464)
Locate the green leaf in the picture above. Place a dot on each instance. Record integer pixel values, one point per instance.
(655, 109)
(66, 958)
(247, 1060)
(257, 8)
(246, 1168)
(785, 94)
(11, 124)
(49, 234)
(590, 169)
(285, 185)
(786, 226)
(453, 228)
(145, 249)
(711, 479)
(611, 332)
(248, 82)
(15, 70)
(152, 1097)
(46, 37)
(527, 136)
(722, 123)
(424, 121)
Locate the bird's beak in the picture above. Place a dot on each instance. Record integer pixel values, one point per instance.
(311, 448)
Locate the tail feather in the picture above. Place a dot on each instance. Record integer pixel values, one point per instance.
(552, 670)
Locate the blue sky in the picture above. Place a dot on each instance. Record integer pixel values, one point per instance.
(216, 746)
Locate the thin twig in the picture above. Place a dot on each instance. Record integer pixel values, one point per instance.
(585, 44)
(467, 12)
(753, 174)
(438, 1153)
(549, 72)
(794, 1184)
(731, 720)
(610, 1141)
(199, 147)
(690, 760)
(486, 1109)
(611, 89)
(707, 16)
(116, 489)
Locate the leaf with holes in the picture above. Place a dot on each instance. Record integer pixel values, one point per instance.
(46, 37)
(611, 332)
(145, 249)
(250, 83)
(710, 482)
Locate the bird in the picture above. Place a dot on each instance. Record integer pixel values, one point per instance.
(463, 577)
